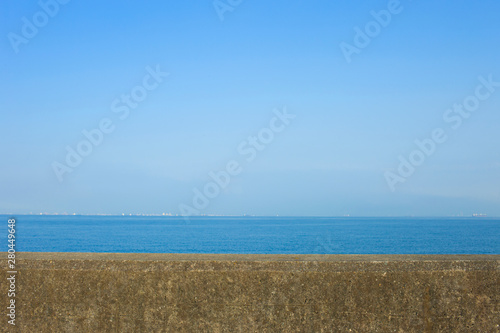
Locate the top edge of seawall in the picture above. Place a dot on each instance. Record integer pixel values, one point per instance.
(251, 257)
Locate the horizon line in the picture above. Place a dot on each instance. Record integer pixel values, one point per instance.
(236, 215)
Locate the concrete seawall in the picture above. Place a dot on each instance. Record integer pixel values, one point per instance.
(91, 292)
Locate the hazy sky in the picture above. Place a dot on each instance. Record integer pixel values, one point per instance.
(362, 91)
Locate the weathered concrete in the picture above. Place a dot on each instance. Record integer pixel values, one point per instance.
(90, 292)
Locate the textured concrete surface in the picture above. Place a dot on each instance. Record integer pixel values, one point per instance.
(90, 292)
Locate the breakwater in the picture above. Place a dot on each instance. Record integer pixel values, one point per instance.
(102, 292)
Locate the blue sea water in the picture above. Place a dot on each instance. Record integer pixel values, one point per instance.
(273, 235)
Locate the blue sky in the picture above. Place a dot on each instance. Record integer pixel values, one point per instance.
(352, 119)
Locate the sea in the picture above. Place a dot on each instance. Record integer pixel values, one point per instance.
(268, 235)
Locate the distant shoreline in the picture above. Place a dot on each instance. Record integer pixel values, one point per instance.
(266, 216)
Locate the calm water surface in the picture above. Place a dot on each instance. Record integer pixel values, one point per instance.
(300, 235)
